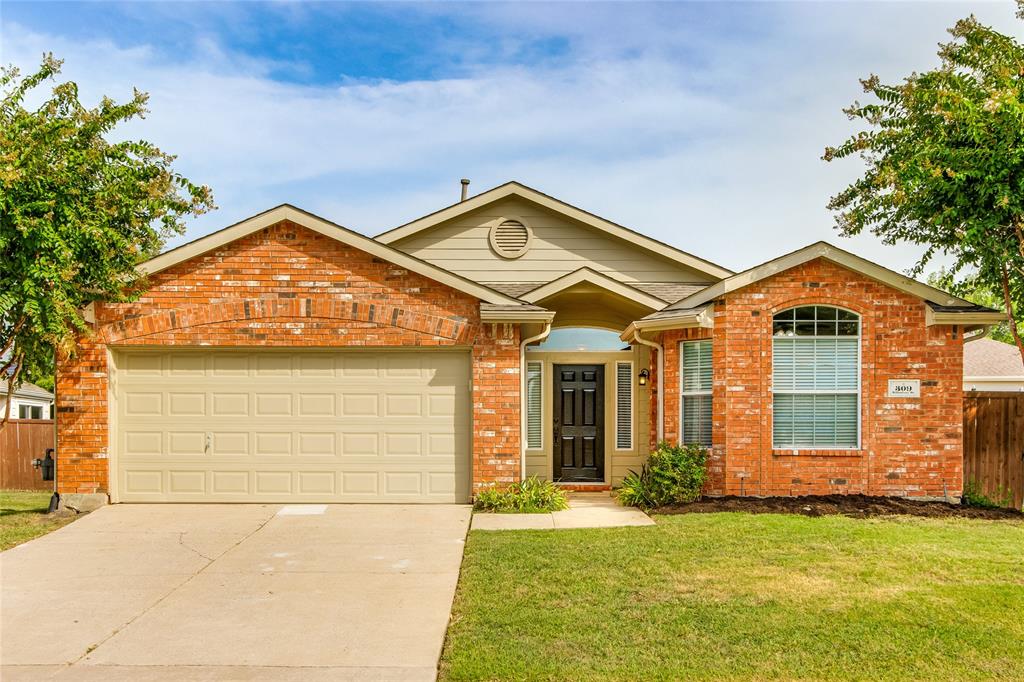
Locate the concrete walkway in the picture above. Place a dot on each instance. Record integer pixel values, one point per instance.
(586, 510)
(230, 592)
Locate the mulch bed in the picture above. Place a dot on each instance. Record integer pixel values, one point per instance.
(857, 506)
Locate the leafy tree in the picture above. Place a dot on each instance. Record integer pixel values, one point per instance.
(975, 292)
(78, 212)
(945, 163)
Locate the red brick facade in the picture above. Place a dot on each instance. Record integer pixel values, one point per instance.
(909, 447)
(286, 286)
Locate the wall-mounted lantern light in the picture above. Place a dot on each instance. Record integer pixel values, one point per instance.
(644, 374)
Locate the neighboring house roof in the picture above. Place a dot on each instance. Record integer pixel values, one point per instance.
(990, 359)
(949, 309)
(26, 390)
(516, 189)
(329, 229)
(598, 279)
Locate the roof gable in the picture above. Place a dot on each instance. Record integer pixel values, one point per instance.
(597, 279)
(947, 301)
(515, 190)
(288, 212)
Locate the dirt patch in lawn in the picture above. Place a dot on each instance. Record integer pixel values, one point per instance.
(858, 506)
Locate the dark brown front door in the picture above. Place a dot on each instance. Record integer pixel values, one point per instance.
(579, 423)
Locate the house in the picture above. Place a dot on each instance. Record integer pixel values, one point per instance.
(288, 359)
(28, 401)
(991, 365)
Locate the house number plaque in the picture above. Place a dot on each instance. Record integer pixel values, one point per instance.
(904, 388)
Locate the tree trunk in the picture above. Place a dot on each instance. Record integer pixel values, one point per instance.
(11, 382)
(1008, 302)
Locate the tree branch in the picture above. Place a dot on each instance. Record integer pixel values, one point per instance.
(1008, 301)
(10, 395)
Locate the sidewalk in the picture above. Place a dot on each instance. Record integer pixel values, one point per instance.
(586, 510)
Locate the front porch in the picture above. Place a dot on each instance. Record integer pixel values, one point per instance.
(587, 401)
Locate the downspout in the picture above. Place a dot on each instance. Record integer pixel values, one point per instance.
(980, 333)
(661, 380)
(522, 396)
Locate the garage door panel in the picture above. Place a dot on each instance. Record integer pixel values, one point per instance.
(143, 482)
(230, 482)
(186, 365)
(229, 443)
(186, 443)
(317, 404)
(317, 365)
(273, 405)
(143, 404)
(186, 404)
(230, 365)
(186, 482)
(142, 443)
(229, 404)
(403, 405)
(292, 426)
(270, 444)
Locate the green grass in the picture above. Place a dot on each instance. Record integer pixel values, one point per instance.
(23, 516)
(738, 596)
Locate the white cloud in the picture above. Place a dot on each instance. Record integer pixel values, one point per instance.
(716, 152)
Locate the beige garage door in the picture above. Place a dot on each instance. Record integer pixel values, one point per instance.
(295, 426)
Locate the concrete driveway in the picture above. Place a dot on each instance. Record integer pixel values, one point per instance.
(230, 592)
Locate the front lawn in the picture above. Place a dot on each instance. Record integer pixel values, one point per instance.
(23, 516)
(740, 596)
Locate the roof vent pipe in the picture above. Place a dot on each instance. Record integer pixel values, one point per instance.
(465, 188)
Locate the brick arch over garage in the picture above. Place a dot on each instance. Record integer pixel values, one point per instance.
(454, 329)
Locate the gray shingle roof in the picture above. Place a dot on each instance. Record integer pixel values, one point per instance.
(26, 390)
(666, 291)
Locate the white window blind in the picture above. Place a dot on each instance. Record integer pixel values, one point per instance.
(695, 392)
(816, 378)
(624, 406)
(534, 407)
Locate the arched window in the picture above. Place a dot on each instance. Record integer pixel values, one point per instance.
(581, 339)
(816, 378)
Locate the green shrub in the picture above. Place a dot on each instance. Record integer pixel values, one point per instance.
(974, 497)
(672, 474)
(532, 496)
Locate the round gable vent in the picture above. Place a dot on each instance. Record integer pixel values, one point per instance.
(510, 238)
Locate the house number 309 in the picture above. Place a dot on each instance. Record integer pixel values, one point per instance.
(904, 388)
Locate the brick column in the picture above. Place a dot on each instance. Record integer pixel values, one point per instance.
(496, 407)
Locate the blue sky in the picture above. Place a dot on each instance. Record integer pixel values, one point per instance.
(700, 124)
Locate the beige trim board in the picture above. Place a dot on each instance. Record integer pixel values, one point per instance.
(828, 252)
(507, 315)
(704, 318)
(329, 229)
(598, 279)
(522, 191)
(935, 317)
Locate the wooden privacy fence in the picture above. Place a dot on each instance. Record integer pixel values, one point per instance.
(994, 444)
(21, 441)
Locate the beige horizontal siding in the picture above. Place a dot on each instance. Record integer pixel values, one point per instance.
(559, 246)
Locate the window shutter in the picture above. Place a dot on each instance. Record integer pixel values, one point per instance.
(534, 408)
(624, 406)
